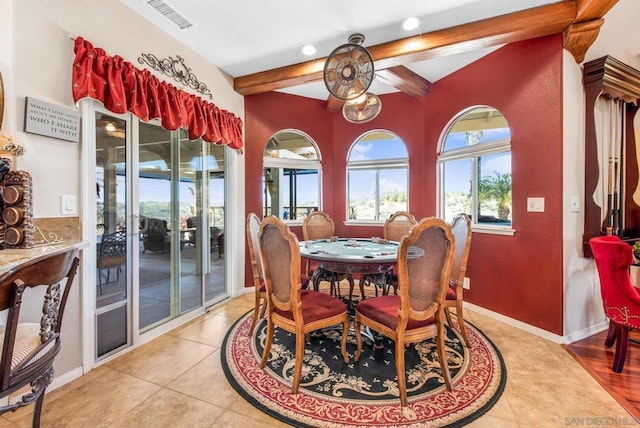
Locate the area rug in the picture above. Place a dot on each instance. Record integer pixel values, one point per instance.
(336, 394)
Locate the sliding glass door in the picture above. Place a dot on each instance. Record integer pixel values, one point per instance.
(161, 197)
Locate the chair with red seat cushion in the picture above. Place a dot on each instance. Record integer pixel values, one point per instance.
(260, 289)
(620, 299)
(289, 307)
(416, 313)
(461, 229)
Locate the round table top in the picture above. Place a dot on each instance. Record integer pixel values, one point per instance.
(356, 250)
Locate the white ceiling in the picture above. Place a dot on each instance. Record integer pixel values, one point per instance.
(247, 36)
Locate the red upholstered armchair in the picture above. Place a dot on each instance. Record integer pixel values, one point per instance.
(620, 298)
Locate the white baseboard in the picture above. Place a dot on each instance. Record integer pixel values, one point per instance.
(570, 338)
(586, 332)
(515, 323)
(65, 378)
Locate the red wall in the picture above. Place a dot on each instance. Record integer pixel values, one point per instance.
(519, 276)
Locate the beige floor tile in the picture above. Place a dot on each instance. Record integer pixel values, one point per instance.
(177, 380)
(210, 330)
(170, 409)
(4, 423)
(488, 421)
(207, 382)
(502, 410)
(235, 308)
(162, 360)
(231, 419)
(243, 407)
(94, 404)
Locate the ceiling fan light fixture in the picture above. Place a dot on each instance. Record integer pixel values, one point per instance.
(110, 127)
(359, 100)
(411, 23)
(309, 50)
(363, 112)
(348, 70)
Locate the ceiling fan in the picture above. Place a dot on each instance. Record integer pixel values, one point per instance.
(348, 70)
(362, 110)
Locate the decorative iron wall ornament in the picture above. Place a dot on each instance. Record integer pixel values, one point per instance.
(177, 69)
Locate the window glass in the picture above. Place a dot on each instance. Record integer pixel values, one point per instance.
(291, 176)
(475, 168)
(377, 176)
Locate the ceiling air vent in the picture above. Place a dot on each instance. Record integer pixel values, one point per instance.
(170, 13)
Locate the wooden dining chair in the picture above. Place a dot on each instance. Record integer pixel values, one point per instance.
(29, 349)
(290, 307)
(461, 229)
(395, 227)
(320, 225)
(253, 227)
(260, 290)
(416, 312)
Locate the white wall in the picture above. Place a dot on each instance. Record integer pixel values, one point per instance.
(583, 313)
(36, 55)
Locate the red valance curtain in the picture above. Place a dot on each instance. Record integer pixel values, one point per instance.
(121, 87)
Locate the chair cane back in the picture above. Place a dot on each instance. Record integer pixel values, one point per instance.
(461, 229)
(290, 307)
(253, 227)
(320, 225)
(395, 227)
(416, 312)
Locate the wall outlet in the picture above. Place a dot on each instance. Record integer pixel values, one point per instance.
(466, 284)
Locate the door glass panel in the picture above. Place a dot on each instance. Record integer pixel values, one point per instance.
(154, 195)
(215, 198)
(111, 239)
(190, 207)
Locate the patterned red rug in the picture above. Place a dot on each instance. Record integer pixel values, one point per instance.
(335, 394)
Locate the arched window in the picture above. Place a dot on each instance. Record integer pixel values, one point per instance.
(291, 175)
(377, 176)
(475, 168)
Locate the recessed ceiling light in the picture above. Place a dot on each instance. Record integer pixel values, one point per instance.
(309, 50)
(411, 23)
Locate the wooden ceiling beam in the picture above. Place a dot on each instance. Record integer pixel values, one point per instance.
(404, 80)
(334, 104)
(572, 18)
(581, 34)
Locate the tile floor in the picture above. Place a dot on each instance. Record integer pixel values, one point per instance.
(177, 381)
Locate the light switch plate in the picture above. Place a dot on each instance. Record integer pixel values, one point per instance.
(68, 204)
(535, 205)
(575, 204)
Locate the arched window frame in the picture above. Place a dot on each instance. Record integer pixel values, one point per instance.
(473, 153)
(377, 165)
(314, 164)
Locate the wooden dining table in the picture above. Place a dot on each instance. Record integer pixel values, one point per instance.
(362, 256)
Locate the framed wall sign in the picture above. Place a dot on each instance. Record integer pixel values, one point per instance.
(50, 120)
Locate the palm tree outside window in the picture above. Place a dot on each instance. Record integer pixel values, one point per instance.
(475, 168)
